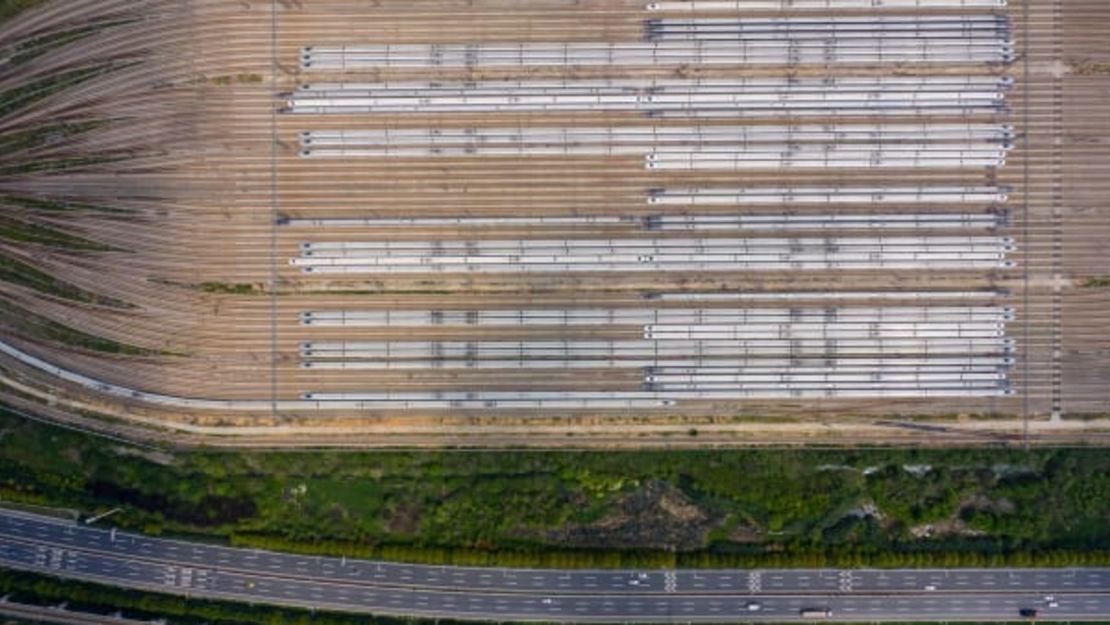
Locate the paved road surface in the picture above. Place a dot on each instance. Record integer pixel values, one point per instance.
(72, 550)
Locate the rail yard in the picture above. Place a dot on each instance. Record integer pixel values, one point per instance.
(558, 221)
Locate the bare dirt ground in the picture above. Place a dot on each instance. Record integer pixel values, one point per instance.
(213, 164)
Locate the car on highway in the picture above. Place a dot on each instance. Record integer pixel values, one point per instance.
(753, 606)
(1027, 613)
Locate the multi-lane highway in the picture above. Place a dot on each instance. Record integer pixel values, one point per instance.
(72, 550)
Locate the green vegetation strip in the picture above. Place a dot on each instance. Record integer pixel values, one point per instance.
(12, 621)
(20, 321)
(650, 508)
(245, 79)
(43, 135)
(18, 272)
(33, 48)
(21, 231)
(222, 288)
(63, 164)
(237, 288)
(58, 206)
(1097, 282)
(9, 8)
(15, 99)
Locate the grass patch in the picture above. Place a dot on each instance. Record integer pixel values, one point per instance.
(1097, 282)
(10, 8)
(241, 79)
(19, 97)
(59, 206)
(222, 288)
(57, 513)
(238, 288)
(62, 164)
(40, 45)
(1089, 68)
(754, 507)
(18, 272)
(20, 321)
(22, 231)
(43, 135)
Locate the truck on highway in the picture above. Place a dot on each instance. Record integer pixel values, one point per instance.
(815, 613)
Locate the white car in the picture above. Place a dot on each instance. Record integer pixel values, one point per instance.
(753, 606)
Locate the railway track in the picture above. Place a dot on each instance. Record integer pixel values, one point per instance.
(216, 201)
